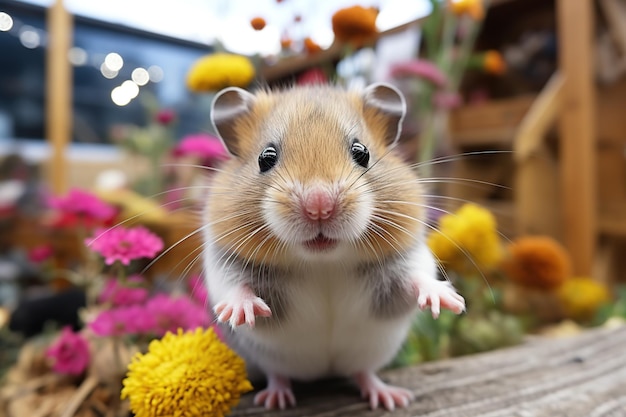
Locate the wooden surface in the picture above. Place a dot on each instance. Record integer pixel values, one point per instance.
(58, 93)
(577, 376)
(577, 131)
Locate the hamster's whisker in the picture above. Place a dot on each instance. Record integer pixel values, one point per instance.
(368, 238)
(136, 216)
(376, 162)
(502, 235)
(380, 232)
(390, 222)
(229, 262)
(456, 157)
(458, 180)
(203, 167)
(464, 252)
(250, 255)
(178, 242)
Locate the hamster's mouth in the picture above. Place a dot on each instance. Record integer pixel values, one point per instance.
(321, 243)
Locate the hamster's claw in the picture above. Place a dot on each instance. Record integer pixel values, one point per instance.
(242, 309)
(278, 394)
(378, 392)
(437, 295)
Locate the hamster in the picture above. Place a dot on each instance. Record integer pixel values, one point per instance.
(314, 237)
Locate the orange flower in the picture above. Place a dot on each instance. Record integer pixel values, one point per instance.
(285, 42)
(493, 63)
(356, 24)
(311, 47)
(258, 23)
(537, 262)
(473, 8)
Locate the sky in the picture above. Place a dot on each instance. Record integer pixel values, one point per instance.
(205, 21)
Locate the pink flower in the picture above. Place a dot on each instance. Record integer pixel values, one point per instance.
(204, 146)
(446, 100)
(40, 254)
(83, 205)
(160, 314)
(198, 291)
(119, 295)
(70, 353)
(173, 313)
(420, 68)
(124, 245)
(123, 321)
(312, 76)
(165, 117)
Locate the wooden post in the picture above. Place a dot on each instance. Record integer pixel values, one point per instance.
(577, 131)
(58, 93)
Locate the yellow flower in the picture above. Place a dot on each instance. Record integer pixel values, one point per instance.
(473, 8)
(188, 374)
(467, 239)
(581, 297)
(216, 71)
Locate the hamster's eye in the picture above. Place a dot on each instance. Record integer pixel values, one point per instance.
(360, 154)
(268, 158)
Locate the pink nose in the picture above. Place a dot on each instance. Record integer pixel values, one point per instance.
(319, 204)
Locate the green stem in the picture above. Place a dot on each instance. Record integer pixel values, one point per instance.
(465, 52)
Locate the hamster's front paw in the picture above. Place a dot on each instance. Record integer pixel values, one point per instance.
(438, 294)
(241, 307)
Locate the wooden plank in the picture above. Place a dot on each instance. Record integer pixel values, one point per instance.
(577, 131)
(58, 93)
(615, 13)
(539, 118)
(579, 376)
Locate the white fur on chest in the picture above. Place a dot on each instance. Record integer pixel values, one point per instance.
(329, 328)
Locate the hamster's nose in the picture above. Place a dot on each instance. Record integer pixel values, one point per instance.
(319, 204)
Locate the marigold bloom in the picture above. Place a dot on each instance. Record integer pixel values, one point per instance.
(220, 70)
(124, 244)
(257, 23)
(473, 8)
(537, 262)
(70, 353)
(355, 25)
(185, 374)
(467, 240)
(311, 47)
(494, 63)
(581, 297)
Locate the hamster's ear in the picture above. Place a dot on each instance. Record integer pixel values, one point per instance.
(387, 101)
(228, 105)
